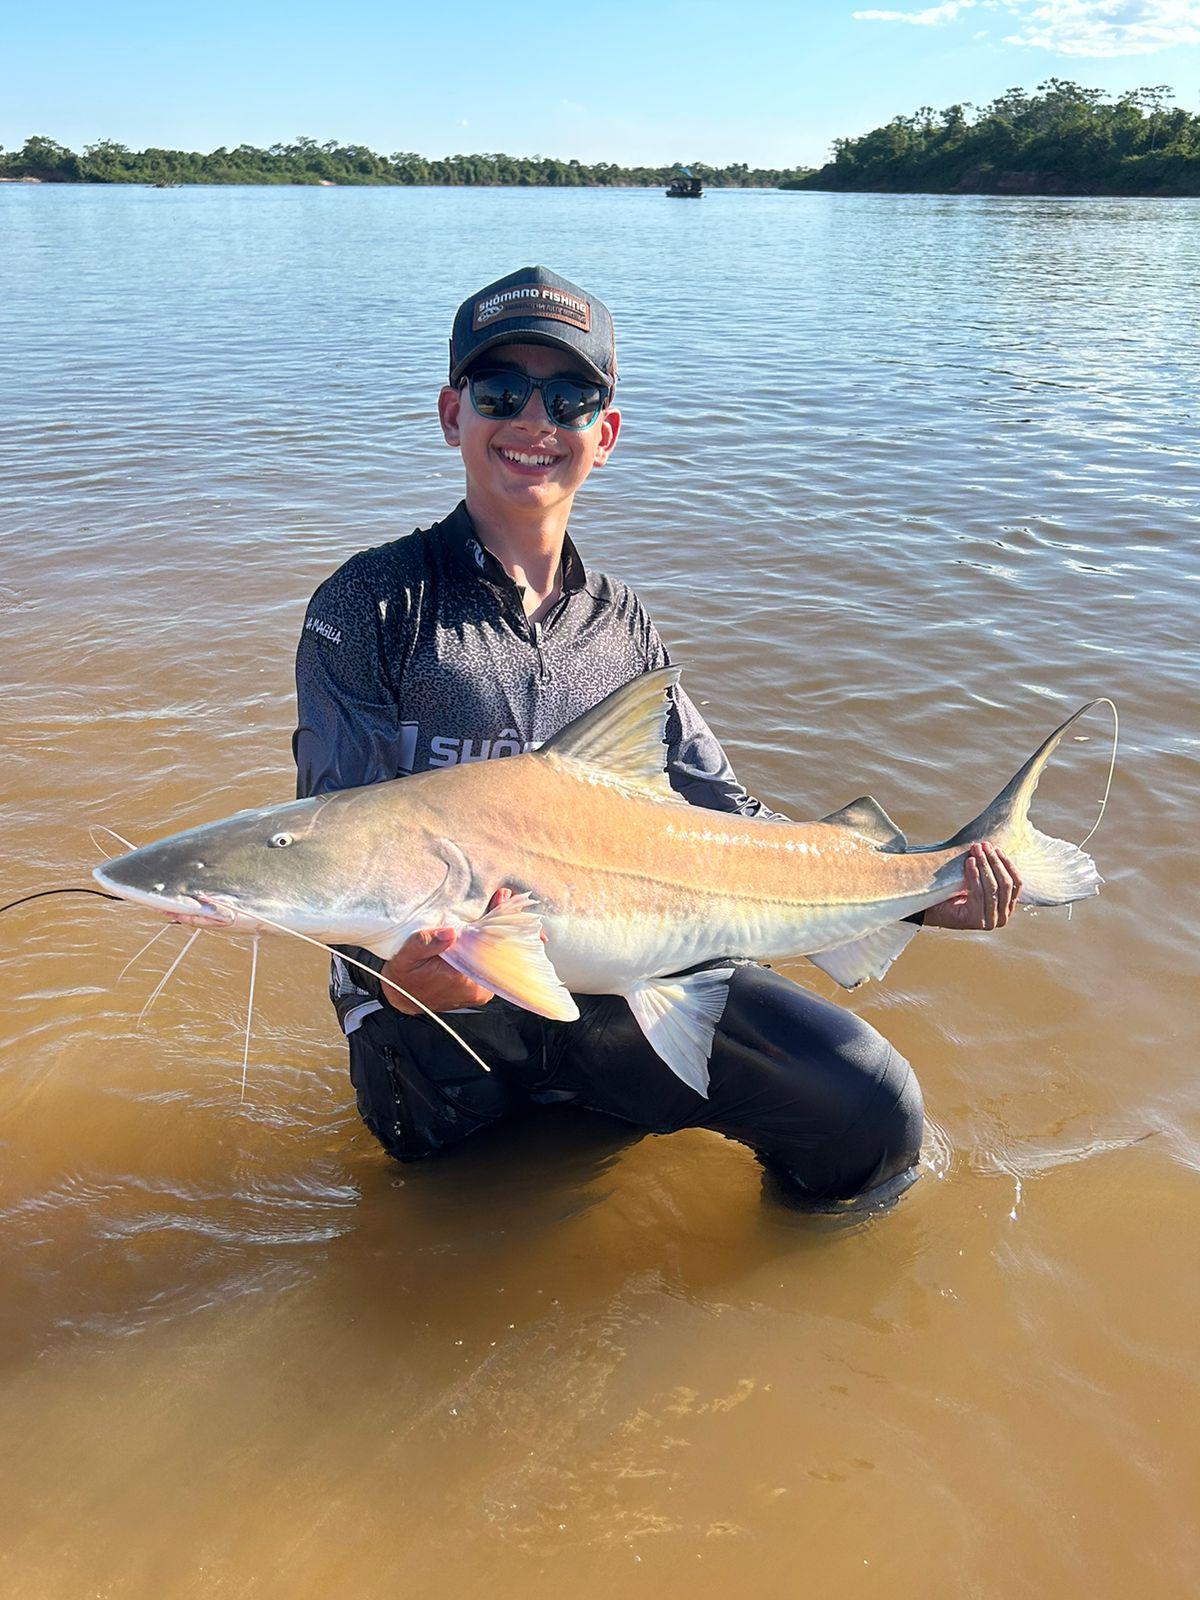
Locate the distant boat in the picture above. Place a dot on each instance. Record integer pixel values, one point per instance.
(685, 188)
(162, 183)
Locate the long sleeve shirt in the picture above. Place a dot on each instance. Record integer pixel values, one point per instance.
(418, 654)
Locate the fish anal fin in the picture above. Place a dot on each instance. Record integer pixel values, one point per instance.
(868, 818)
(869, 957)
(679, 1017)
(624, 737)
(503, 950)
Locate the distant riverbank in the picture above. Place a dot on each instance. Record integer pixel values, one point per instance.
(1063, 140)
(307, 162)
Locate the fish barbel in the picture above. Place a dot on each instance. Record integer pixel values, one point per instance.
(628, 883)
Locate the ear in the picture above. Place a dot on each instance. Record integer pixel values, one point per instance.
(610, 427)
(449, 405)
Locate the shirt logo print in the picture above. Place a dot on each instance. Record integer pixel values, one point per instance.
(325, 629)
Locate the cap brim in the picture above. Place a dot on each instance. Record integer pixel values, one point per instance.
(530, 336)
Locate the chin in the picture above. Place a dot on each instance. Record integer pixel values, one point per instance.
(541, 494)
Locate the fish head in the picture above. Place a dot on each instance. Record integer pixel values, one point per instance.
(287, 865)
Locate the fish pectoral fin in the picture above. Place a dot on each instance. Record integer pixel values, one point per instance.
(503, 950)
(679, 1017)
(869, 957)
(868, 818)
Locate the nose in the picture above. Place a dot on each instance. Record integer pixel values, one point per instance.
(533, 416)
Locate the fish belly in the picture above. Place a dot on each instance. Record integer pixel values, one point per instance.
(598, 955)
(609, 955)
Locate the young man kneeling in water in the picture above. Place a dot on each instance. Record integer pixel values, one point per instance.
(485, 634)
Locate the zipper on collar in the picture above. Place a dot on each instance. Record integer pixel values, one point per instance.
(539, 646)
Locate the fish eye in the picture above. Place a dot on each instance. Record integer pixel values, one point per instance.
(279, 841)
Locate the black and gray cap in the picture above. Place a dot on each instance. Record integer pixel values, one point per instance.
(535, 306)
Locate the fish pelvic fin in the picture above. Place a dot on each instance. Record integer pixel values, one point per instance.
(1053, 871)
(503, 950)
(679, 1017)
(624, 737)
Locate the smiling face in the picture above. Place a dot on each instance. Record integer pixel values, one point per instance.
(524, 467)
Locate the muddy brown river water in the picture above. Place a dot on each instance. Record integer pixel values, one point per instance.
(903, 481)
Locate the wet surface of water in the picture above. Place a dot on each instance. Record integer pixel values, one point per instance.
(903, 480)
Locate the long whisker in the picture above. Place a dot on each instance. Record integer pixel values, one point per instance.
(353, 961)
(1111, 769)
(104, 828)
(153, 939)
(249, 1008)
(105, 853)
(41, 894)
(162, 983)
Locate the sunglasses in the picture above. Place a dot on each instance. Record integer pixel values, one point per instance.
(498, 393)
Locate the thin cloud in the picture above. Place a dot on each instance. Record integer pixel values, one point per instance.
(1100, 28)
(931, 17)
(1093, 28)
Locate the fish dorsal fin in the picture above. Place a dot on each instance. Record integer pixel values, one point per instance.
(624, 737)
(867, 816)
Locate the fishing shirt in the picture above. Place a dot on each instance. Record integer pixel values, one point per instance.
(418, 654)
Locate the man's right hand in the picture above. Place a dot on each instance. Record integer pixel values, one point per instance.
(418, 967)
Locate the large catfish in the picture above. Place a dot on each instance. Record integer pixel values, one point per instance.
(628, 883)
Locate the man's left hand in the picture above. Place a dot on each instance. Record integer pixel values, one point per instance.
(988, 898)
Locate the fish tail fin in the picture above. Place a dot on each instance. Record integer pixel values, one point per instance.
(1053, 871)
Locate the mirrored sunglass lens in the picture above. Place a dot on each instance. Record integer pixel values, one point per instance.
(572, 404)
(499, 394)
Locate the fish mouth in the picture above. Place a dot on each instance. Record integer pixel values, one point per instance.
(201, 911)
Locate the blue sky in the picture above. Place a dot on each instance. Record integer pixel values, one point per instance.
(767, 83)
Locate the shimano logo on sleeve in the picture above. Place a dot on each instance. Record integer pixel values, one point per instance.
(448, 752)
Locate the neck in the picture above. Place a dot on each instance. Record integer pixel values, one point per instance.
(530, 550)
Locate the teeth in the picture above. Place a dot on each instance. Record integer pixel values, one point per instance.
(528, 460)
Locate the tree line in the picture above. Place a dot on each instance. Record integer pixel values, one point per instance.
(1062, 139)
(306, 161)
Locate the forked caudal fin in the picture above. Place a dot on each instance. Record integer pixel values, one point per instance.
(1053, 871)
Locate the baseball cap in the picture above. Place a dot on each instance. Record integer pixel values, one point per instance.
(535, 306)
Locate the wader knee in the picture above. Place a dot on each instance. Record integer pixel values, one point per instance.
(876, 1158)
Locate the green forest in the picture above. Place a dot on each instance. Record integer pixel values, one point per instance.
(1062, 139)
(306, 161)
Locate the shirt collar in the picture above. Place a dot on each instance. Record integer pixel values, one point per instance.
(458, 533)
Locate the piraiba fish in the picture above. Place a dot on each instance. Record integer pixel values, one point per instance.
(619, 885)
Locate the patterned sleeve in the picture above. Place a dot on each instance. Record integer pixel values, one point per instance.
(347, 731)
(697, 766)
(348, 722)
